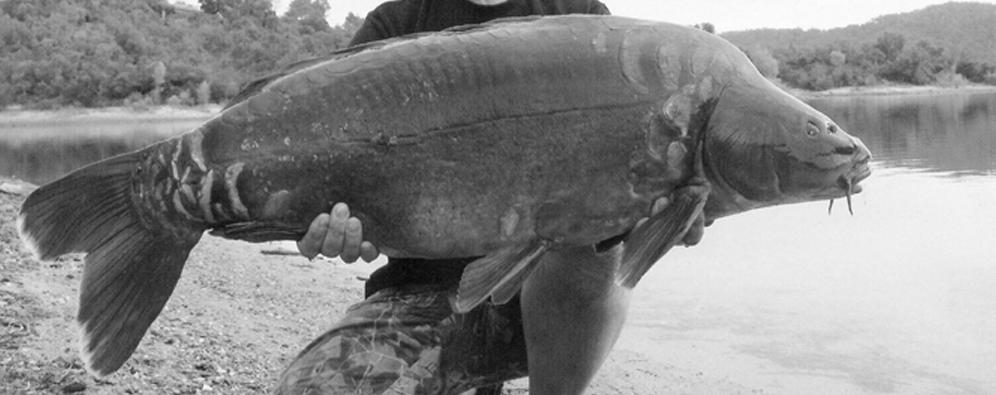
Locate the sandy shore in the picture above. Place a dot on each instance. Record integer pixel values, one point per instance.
(237, 317)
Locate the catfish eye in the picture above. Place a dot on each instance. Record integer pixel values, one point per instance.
(812, 129)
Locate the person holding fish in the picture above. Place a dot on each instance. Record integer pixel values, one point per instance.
(536, 144)
(570, 312)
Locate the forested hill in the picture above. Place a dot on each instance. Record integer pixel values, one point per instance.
(967, 29)
(138, 52)
(945, 43)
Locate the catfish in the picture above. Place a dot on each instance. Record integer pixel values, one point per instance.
(500, 141)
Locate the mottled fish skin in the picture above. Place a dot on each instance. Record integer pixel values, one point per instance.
(406, 143)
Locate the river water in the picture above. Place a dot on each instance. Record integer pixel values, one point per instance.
(899, 298)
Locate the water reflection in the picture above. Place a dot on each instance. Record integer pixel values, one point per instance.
(42, 152)
(952, 132)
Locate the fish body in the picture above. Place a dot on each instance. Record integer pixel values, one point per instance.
(449, 145)
(501, 140)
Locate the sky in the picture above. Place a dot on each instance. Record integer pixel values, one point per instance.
(726, 15)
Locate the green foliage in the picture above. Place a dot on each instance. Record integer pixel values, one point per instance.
(977, 72)
(964, 28)
(888, 59)
(309, 13)
(258, 12)
(889, 46)
(918, 64)
(837, 58)
(948, 44)
(95, 53)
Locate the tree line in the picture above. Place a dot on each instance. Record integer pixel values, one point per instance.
(140, 52)
(945, 44)
(891, 58)
(93, 53)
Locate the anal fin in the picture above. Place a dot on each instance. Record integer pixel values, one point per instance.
(499, 274)
(654, 238)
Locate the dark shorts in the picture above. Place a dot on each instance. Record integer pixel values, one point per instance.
(405, 339)
(445, 273)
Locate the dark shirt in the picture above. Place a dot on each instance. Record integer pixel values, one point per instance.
(401, 17)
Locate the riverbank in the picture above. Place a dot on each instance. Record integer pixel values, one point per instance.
(891, 90)
(239, 315)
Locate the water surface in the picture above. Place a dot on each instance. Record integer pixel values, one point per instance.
(40, 152)
(900, 298)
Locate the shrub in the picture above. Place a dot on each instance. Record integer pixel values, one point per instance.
(990, 78)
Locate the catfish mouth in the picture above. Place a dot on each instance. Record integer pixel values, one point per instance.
(848, 185)
(849, 182)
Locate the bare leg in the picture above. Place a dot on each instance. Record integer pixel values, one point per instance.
(572, 312)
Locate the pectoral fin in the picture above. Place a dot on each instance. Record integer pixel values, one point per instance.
(654, 238)
(649, 242)
(499, 274)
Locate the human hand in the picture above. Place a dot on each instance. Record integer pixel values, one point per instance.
(337, 234)
(695, 232)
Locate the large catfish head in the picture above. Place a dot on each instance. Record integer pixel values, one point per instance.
(763, 147)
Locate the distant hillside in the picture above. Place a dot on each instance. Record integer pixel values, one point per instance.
(139, 52)
(968, 30)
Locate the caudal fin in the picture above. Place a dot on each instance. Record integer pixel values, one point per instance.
(131, 268)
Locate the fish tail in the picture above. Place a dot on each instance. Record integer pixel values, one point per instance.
(131, 267)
